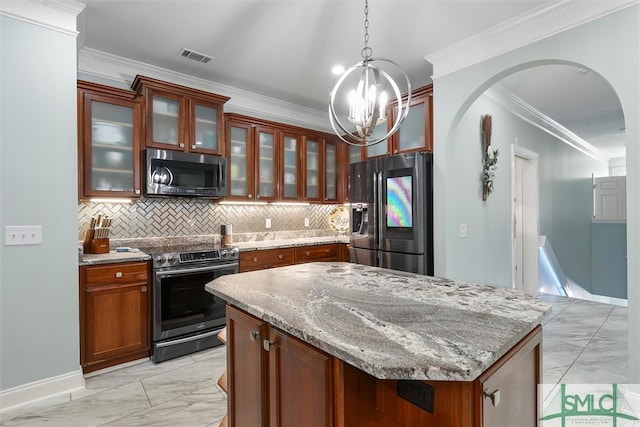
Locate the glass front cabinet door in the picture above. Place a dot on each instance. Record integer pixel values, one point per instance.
(290, 166)
(182, 118)
(240, 148)
(265, 170)
(313, 168)
(108, 141)
(331, 162)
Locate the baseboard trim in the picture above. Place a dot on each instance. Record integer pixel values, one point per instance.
(41, 389)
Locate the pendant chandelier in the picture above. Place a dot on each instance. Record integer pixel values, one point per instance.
(354, 117)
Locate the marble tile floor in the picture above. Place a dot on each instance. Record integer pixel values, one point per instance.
(583, 342)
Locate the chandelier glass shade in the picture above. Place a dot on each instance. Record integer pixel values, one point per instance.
(359, 98)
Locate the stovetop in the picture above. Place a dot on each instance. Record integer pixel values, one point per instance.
(176, 255)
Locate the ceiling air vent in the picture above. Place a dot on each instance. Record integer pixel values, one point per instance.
(196, 56)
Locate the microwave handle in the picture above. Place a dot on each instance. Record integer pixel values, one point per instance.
(221, 174)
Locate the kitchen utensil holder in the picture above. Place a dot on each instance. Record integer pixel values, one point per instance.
(95, 246)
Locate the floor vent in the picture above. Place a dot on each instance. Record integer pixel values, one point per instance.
(196, 56)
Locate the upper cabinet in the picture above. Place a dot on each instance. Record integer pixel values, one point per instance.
(273, 162)
(181, 118)
(109, 132)
(290, 161)
(416, 132)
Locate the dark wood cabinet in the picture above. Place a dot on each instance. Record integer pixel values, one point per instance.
(271, 161)
(114, 314)
(181, 118)
(266, 258)
(317, 253)
(416, 132)
(246, 367)
(270, 258)
(109, 135)
(275, 379)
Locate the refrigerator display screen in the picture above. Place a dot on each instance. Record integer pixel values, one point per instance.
(399, 202)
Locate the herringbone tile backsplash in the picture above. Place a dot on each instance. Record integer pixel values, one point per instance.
(188, 217)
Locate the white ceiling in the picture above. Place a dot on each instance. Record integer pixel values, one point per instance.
(285, 49)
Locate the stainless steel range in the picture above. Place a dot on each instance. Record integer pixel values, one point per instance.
(186, 318)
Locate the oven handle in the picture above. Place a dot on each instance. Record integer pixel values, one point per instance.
(172, 273)
(187, 339)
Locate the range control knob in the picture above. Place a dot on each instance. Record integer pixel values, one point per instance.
(223, 253)
(161, 260)
(234, 253)
(172, 259)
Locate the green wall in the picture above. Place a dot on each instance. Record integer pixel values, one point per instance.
(609, 46)
(38, 169)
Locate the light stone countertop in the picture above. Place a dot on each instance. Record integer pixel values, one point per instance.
(390, 324)
(113, 257)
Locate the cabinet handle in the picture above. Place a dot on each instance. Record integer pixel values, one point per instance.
(249, 195)
(266, 344)
(181, 145)
(137, 191)
(257, 196)
(280, 256)
(494, 396)
(143, 289)
(254, 335)
(326, 251)
(307, 253)
(254, 259)
(118, 274)
(193, 147)
(395, 151)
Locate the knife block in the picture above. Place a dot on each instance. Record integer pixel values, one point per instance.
(94, 246)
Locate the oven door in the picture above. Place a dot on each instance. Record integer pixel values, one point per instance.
(182, 306)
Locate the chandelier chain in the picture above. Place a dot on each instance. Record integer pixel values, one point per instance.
(366, 50)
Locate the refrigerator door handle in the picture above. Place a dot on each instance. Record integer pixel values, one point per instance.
(379, 210)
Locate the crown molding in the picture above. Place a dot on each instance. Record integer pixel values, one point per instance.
(57, 15)
(122, 70)
(540, 23)
(511, 103)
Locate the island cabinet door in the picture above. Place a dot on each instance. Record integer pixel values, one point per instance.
(507, 392)
(247, 370)
(300, 383)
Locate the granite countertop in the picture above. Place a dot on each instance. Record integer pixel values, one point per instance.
(390, 324)
(113, 257)
(289, 243)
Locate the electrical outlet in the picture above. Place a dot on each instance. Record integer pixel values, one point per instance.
(267, 223)
(23, 235)
(306, 222)
(463, 231)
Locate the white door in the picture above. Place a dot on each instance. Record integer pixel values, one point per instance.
(610, 198)
(526, 223)
(518, 231)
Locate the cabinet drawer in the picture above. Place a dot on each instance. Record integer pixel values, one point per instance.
(116, 273)
(256, 260)
(316, 253)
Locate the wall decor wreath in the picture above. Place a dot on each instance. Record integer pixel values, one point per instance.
(490, 157)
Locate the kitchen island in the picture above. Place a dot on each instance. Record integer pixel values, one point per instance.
(340, 344)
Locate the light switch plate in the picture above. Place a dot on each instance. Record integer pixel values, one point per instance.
(306, 222)
(463, 231)
(23, 235)
(267, 223)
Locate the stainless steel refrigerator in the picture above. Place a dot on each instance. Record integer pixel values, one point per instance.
(392, 212)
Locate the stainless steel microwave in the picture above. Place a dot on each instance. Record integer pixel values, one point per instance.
(174, 173)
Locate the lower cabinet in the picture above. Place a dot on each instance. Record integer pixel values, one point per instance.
(114, 314)
(274, 378)
(270, 258)
(277, 380)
